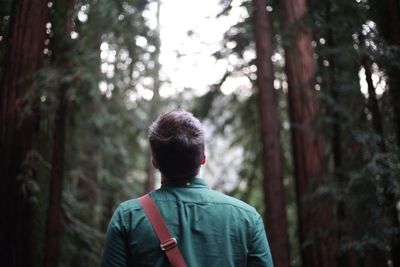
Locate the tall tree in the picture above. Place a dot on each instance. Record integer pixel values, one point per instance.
(274, 195)
(155, 101)
(336, 140)
(332, 69)
(62, 29)
(391, 34)
(372, 103)
(394, 80)
(318, 248)
(19, 127)
(386, 14)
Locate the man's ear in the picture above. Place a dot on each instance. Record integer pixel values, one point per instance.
(154, 163)
(203, 159)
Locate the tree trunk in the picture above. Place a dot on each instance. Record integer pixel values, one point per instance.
(274, 195)
(394, 84)
(393, 72)
(155, 102)
(19, 128)
(336, 143)
(373, 103)
(54, 212)
(318, 248)
(348, 258)
(63, 28)
(388, 21)
(387, 179)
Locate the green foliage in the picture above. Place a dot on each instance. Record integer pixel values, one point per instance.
(100, 66)
(106, 159)
(366, 173)
(360, 182)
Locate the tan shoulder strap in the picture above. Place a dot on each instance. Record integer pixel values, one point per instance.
(167, 243)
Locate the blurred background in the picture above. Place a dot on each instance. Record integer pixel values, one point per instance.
(300, 102)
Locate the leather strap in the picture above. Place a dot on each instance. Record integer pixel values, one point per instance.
(167, 243)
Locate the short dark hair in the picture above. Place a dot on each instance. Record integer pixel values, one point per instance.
(177, 144)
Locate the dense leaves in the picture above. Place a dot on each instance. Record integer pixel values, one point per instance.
(105, 70)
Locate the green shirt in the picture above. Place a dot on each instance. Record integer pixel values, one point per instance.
(212, 229)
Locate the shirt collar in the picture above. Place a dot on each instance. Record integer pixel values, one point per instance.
(193, 183)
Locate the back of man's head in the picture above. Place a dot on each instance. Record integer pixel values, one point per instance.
(177, 144)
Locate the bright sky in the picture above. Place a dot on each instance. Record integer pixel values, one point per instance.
(190, 33)
(187, 61)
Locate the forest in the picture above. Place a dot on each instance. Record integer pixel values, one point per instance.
(298, 100)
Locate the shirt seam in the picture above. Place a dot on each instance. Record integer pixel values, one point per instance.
(249, 210)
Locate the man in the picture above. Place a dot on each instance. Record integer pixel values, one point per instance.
(212, 229)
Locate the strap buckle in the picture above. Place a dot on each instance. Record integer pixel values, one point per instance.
(169, 244)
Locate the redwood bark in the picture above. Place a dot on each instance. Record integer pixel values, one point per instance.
(317, 249)
(19, 128)
(274, 195)
(63, 28)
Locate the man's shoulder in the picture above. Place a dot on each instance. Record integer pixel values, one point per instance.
(221, 198)
(210, 197)
(129, 205)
